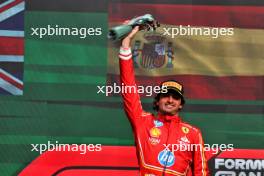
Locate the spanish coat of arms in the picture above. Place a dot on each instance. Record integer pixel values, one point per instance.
(156, 53)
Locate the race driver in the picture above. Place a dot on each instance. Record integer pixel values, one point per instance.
(165, 144)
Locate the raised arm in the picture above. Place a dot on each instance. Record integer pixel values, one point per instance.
(131, 98)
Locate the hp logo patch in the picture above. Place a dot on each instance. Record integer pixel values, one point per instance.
(166, 158)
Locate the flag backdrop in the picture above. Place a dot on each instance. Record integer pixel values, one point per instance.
(223, 77)
(11, 47)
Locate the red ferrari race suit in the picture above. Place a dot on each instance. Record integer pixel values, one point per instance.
(165, 144)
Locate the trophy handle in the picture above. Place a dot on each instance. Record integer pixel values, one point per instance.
(119, 32)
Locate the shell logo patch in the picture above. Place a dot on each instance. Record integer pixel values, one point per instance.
(155, 132)
(185, 130)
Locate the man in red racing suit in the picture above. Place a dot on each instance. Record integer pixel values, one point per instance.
(166, 146)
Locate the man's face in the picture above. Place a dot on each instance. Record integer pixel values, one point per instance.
(169, 104)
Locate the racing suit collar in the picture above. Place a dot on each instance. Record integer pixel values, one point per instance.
(164, 118)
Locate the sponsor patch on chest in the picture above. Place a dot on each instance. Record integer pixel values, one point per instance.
(154, 141)
(155, 132)
(184, 139)
(166, 158)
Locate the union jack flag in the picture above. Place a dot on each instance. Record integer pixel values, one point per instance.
(11, 46)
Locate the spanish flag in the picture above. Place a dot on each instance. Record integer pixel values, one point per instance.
(212, 64)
